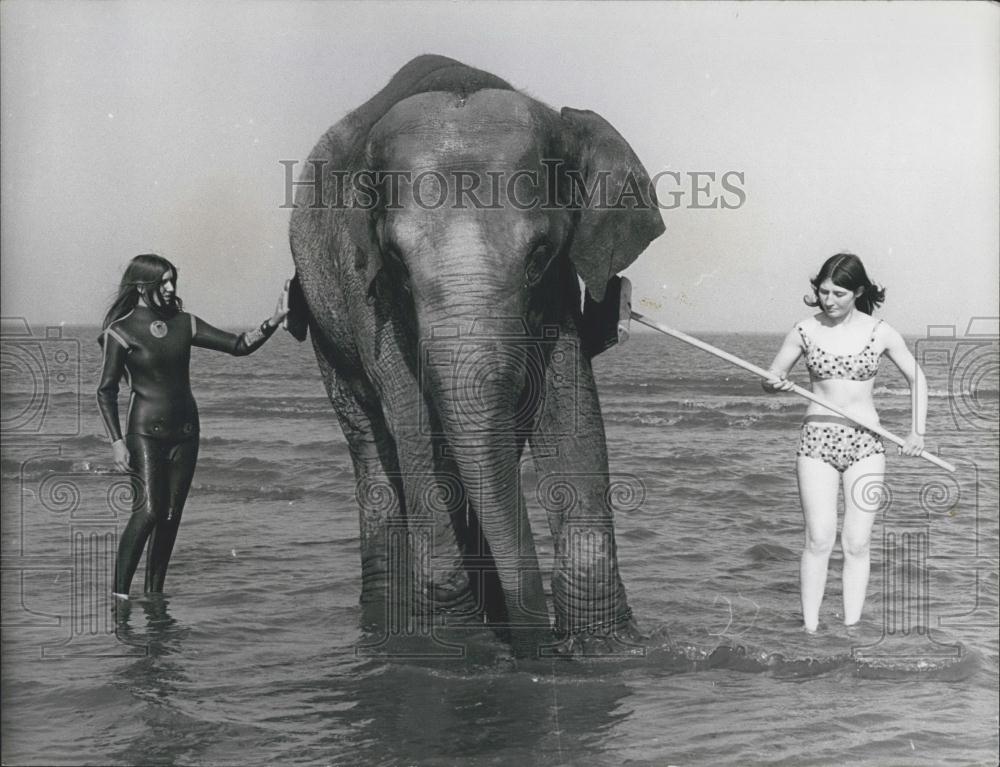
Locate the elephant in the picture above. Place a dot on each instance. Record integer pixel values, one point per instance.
(440, 233)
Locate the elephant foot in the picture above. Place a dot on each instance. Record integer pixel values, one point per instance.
(383, 606)
(529, 643)
(374, 610)
(618, 639)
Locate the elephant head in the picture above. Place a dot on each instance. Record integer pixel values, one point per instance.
(445, 276)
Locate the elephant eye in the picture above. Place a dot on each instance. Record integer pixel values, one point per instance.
(538, 263)
(392, 253)
(397, 266)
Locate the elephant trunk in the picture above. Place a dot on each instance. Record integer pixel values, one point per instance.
(474, 373)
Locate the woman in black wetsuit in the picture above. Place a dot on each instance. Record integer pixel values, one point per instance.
(148, 339)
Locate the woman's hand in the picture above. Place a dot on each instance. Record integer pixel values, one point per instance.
(281, 310)
(121, 456)
(912, 445)
(777, 383)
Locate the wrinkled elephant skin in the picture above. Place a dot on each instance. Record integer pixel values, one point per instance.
(438, 236)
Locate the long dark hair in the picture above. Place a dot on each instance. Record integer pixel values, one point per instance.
(143, 274)
(846, 271)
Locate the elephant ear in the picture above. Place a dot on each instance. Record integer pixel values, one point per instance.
(363, 216)
(616, 225)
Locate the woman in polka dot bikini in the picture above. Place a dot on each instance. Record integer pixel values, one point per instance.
(842, 345)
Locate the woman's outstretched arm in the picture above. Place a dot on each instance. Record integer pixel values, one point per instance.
(897, 351)
(209, 337)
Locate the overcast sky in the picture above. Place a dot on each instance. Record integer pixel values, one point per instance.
(130, 127)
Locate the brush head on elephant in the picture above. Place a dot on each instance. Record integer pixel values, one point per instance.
(599, 181)
(296, 320)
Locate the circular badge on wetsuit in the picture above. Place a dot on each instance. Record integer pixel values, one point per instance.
(158, 328)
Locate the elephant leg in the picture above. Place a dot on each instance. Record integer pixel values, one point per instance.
(436, 505)
(409, 505)
(377, 494)
(570, 454)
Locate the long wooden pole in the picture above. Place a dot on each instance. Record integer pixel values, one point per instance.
(795, 387)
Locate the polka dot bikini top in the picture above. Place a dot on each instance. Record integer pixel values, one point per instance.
(854, 367)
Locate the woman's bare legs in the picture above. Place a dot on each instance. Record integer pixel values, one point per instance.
(819, 484)
(863, 491)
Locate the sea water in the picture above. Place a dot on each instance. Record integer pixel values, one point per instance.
(255, 655)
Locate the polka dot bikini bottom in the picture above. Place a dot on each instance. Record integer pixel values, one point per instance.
(837, 444)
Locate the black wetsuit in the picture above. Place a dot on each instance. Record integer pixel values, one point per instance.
(153, 350)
